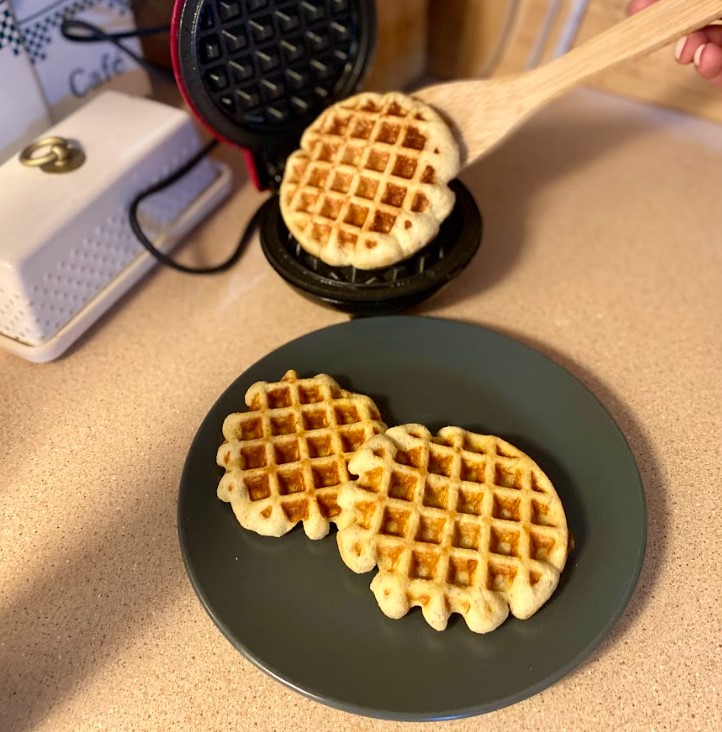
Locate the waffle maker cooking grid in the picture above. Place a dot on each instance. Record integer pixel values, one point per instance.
(257, 73)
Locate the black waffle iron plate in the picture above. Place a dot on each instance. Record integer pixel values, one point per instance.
(257, 73)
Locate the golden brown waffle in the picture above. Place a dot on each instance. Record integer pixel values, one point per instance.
(368, 187)
(286, 457)
(459, 522)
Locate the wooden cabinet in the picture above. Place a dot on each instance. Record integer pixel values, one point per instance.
(401, 45)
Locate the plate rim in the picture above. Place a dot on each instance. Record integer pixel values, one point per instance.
(461, 713)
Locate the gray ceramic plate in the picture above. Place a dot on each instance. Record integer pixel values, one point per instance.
(294, 609)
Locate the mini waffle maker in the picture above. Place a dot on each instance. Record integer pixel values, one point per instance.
(256, 73)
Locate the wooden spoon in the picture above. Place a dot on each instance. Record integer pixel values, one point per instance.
(482, 113)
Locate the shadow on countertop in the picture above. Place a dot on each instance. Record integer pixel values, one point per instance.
(94, 599)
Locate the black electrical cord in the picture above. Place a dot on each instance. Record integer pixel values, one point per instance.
(80, 31)
(165, 259)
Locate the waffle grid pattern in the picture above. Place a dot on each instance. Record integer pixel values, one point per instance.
(453, 522)
(286, 458)
(367, 165)
(267, 62)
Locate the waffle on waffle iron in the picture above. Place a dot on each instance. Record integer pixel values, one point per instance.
(368, 188)
(286, 457)
(458, 522)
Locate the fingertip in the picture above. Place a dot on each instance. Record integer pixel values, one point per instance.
(687, 50)
(708, 61)
(634, 6)
(698, 55)
(679, 48)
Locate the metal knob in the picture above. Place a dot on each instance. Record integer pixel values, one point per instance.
(53, 155)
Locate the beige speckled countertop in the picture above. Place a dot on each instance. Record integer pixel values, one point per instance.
(602, 248)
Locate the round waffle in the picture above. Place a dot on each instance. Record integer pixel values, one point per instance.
(368, 188)
(286, 457)
(458, 522)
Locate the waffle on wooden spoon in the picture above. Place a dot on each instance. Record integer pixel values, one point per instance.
(482, 113)
(369, 186)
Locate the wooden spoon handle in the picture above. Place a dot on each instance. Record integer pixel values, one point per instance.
(652, 28)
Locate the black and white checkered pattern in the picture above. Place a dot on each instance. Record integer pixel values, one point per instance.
(10, 35)
(39, 32)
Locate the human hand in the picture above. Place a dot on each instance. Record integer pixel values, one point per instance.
(703, 48)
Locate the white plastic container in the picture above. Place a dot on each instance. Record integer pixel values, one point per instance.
(67, 251)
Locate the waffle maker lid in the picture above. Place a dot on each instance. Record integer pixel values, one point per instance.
(257, 73)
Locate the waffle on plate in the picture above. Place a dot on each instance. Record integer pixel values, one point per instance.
(456, 522)
(286, 457)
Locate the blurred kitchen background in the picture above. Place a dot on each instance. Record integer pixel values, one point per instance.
(448, 39)
(47, 76)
